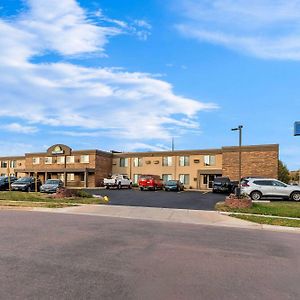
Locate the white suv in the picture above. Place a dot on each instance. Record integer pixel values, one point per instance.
(257, 188)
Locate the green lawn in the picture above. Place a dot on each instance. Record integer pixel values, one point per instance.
(12, 204)
(276, 208)
(46, 198)
(269, 221)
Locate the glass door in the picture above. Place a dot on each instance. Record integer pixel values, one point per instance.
(210, 181)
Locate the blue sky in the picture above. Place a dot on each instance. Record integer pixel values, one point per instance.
(130, 75)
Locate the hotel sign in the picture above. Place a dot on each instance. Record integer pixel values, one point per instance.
(297, 128)
(57, 150)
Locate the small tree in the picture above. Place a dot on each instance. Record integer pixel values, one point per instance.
(295, 176)
(283, 173)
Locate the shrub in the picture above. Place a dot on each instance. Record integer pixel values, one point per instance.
(82, 194)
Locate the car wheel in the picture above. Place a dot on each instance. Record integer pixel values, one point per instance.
(107, 187)
(141, 189)
(256, 195)
(119, 186)
(155, 188)
(295, 196)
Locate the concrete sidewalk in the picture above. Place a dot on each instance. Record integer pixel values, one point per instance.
(186, 216)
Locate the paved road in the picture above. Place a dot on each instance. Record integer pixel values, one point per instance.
(56, 256)
(183, 200)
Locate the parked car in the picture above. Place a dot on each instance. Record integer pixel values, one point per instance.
(174, 185)
(26, 184)
(224, 185)
(118, 181)
(150, 182)
(4, 182)
(257, 188)
(51, 186)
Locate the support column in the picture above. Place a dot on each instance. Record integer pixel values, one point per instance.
(65, 179)
(85, 178)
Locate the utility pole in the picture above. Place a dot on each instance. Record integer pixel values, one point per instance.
(297, 133)
(8, 174)
(239, 128)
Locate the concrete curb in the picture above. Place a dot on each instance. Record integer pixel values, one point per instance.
(257, 215)
(171, 215)
(185, 216)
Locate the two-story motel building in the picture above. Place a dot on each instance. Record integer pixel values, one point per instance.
(195, 168)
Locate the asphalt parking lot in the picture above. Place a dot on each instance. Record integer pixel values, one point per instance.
(181, 200)
(60, 256)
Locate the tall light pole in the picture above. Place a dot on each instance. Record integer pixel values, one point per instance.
(239, 128)
(297, 133)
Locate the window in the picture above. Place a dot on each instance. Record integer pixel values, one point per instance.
(61, 176)
(13, 164)
(263, 182)
(3, 164)
(166, 177)
(137, 162)
(60, 160)
(70, 177)
(167, 161)
(123, 162)
(278, 183)
(48, 160)
(184, 161)
(35, 160)
(209, 160)
(184, 178)
(70, 159)
(136, 178)
(84, 159)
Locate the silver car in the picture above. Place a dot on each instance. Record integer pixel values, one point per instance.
(257, 188)
(51, 186)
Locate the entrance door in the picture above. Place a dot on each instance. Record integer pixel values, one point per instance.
(207, 180)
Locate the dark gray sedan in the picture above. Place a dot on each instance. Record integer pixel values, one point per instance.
(174, 185)
(51, 186)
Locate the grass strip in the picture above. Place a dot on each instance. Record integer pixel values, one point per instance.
(40, 197)
(275, 208)
(269, 220)
(33, 204)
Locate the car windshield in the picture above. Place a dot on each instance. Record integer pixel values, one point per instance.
(52, 181)
(23, 180)
(171, 182)
(221, 179)
(146, 177)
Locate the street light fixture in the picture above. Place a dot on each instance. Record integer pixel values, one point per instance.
(239, 128)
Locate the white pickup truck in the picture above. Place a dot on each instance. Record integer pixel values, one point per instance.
(118, 181)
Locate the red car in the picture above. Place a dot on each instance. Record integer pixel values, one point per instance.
(150, 182)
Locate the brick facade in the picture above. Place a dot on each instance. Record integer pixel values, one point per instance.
(201, 166)
(256, 161)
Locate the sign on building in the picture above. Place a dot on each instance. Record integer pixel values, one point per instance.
(297, 128)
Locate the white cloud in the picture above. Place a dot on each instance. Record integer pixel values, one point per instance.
(13, 148)
(16, 127)
(264, 28)
(110, 101)
(145, 147)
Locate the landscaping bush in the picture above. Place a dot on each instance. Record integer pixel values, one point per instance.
(68, 193)
(82, 194)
